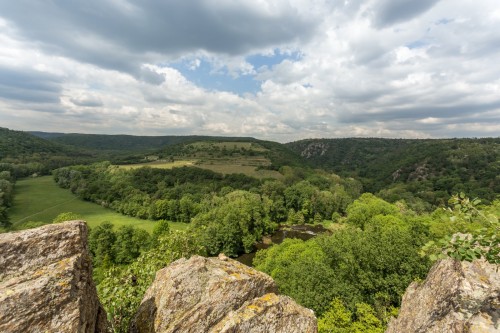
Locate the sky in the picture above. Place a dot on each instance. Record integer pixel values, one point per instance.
(280, 70)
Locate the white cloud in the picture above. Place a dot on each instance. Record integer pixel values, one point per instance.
(366, 68)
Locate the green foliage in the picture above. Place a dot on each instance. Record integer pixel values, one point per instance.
(476, 232)
(6, 198)
(122, 288)
(161, 228)
(301, 271)
(423, 171)
(234, 224)
(101, 243)
(373, 265)
(366, 207)
(338, 319)
(66, 216)
(23, 154)
(129, 244)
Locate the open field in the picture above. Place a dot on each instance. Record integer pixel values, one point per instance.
(248, 170)
(204, 145)
(226, 165)
(40, 199)
(159, 164)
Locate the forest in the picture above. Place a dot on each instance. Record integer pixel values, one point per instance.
(390, 208)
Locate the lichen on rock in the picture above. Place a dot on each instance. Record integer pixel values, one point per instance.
(456, 297)
(218, 295)
(46, 281)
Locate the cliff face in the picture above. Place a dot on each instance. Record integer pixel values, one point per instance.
(456, 297)
(218, 295)
(46, 281)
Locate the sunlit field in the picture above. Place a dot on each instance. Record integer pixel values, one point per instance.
(41, 200)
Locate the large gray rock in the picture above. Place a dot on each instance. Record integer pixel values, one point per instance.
(218, 295)
(46, 281)
(456, 297)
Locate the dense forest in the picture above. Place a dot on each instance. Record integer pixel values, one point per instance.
(423, 172)
(390, 208)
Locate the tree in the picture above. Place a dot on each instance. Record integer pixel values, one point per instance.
(122, 288)
(232, 224)
(366, 207)
(475, 232)
(300, 270)
(101, 241)
(67, 216)
(129, 244)
(161, 228)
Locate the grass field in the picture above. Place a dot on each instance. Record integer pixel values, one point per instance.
(248, 170)
(204, 145)
(159, 164)
(247, 166)
(41, 200)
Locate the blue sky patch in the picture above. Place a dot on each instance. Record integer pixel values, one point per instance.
(204, 76)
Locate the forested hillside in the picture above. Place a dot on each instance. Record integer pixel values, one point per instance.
(416, 170)
(23, 154)
(352, 276)
(122, 142)
(177, 146)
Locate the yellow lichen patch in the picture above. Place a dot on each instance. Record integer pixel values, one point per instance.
(63, 283)
(237, 276)
(484, 279)
(39, 272)
(64, 263)
(269, 298)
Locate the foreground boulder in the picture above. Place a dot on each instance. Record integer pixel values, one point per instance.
(456, 297)
(218, 295)
(46, 281)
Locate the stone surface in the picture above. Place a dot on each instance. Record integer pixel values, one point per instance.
(218, 295)
(46, 281)
(456, 297)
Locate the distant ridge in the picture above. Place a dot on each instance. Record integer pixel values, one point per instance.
(123, 142)
(443, 166)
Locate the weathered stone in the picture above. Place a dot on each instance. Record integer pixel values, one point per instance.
(456, 297)
(215, 295)
(46, 281)
(268, 313)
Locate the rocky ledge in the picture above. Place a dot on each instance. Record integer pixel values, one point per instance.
(218, 295)
(46, 281)
(456, 297)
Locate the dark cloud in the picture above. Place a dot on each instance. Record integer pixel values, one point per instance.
(87, 102)
(389, 12)
(29, 86)
(462, 111)
(116, 34)
(152, 77)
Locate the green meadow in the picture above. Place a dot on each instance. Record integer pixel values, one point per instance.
(41, 200)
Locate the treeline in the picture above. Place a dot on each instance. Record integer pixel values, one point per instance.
(230, 212)
(23, 154)
(6, 197)
(423, 172)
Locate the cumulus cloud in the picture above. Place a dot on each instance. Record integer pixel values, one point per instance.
(121, 34)
(327, 68)
(389, 12)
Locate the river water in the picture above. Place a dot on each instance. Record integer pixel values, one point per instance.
(303, 231)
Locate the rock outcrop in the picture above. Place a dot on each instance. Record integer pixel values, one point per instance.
(218, 295)
(46, 281)
(456, 297)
